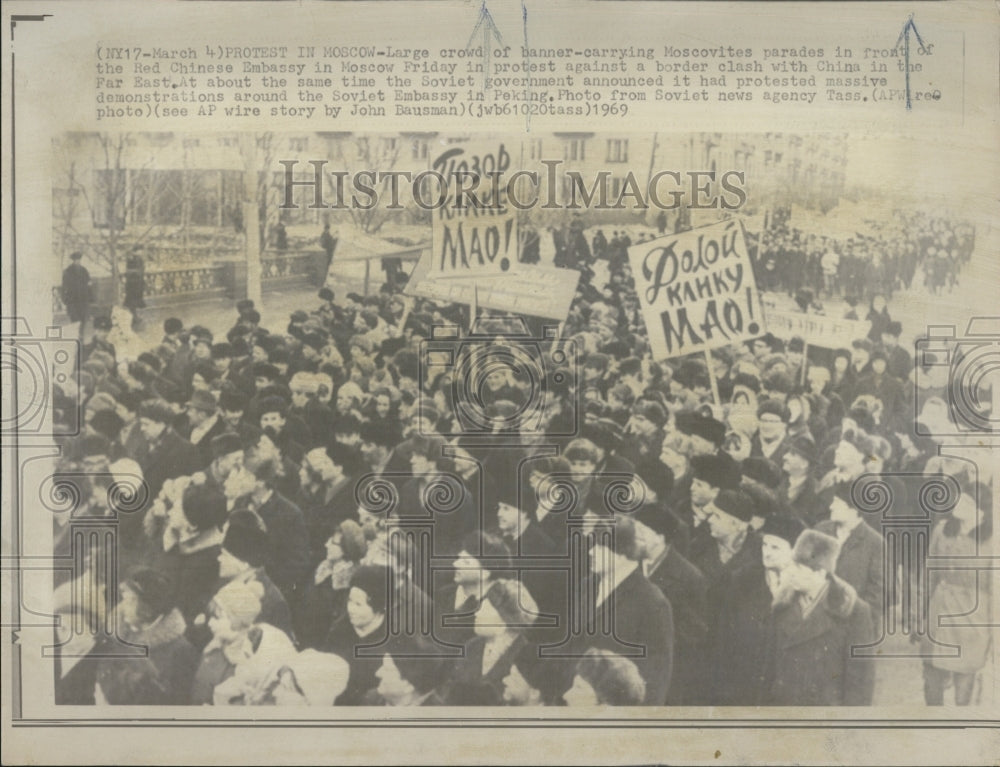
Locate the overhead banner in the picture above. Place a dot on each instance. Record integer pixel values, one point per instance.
(536, 291)
(815, 329)
(697, 290)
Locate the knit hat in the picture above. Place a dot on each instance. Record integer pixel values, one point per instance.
(153, 588)
(817, 551)
(735, 503)
(241, 602)
(246, 538)
(784, 527)
(718, 470)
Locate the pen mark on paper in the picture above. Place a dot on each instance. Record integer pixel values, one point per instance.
(904, 37)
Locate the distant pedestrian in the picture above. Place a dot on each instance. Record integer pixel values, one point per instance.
(329, 244)
(135, 286)
(76, 291)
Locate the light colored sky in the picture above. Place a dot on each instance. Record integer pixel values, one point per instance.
(957, 171)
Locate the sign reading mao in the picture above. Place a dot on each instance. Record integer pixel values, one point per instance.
(474, 227)
(697, 290)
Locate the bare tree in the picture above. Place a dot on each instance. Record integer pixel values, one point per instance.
(369, 153)
(110, 200)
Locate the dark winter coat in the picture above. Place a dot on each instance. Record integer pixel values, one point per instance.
(163, 677)
(810, 661)
(861, 563)
(643, 624)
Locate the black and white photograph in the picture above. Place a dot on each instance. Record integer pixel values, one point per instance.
(497, 386)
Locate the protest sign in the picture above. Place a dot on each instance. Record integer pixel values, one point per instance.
(815, 329)
(474, 228)
(535, 291)
(697, 290)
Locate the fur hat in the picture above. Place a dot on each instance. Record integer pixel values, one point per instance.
(696, 424)
(615, 679)
(514, 604)
(784, 527)
(153, 588)
(232, 401)
(172, 325)
(273, 405)
(246, 538)
(773, 407)
(735, 503)
(803, 445)
(718, 470)
(241, 602)
(157, 410)
(761, 470)
(204, 506)
(817, 551)
(224, 444)
(108, 423)
(652, 411)
(352, 540)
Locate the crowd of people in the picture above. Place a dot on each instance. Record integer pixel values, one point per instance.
(324, 512)
(880, 261)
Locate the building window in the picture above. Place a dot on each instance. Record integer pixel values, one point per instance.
(617, 150)
(418, 149)
(300, 144)
(574, 150)
(535, 149)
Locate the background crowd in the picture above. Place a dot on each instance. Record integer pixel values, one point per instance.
(328, 513)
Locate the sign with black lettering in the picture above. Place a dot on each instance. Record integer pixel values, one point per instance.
(474, 226)
(697, 290)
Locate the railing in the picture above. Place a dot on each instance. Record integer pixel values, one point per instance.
(301, 265)
(174, 281)
(221, 278)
